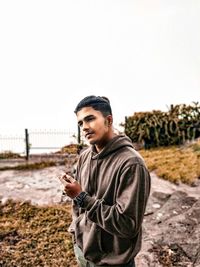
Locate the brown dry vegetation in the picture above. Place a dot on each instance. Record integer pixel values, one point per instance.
(176, 164)
(31, 166)
(9, 155)
(35, 236)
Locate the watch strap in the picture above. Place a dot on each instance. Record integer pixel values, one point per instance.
(79, 200)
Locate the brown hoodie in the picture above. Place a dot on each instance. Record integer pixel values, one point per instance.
(108, 227)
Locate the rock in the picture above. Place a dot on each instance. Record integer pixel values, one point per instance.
(173, 206)
(156, 206)
(171, 233)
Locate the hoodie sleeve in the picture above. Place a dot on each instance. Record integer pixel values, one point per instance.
(74, 208)
(124, 218)
(75, 213)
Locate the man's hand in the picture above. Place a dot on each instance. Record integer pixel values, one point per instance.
(72, 187)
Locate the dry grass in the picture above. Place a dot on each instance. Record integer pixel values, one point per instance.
(176, 164)
(31, 166)
(9, 155)
(35, 236)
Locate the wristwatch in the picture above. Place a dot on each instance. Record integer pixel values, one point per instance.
(79, 200)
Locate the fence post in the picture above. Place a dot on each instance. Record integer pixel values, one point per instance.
(27, 143)
(79, 135)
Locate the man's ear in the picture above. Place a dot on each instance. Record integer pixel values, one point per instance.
(109, 120)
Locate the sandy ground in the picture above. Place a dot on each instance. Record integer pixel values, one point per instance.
(42, 187)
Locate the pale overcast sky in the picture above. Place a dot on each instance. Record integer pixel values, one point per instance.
(142, 54)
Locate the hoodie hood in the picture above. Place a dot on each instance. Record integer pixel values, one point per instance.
(112, 146)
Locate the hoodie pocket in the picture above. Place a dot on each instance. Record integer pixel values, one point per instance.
(92, 244)
(88, 238)
(106, 242)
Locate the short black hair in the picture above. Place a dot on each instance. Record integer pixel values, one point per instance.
(100, 103)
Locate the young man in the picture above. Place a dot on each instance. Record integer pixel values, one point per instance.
(110, 191)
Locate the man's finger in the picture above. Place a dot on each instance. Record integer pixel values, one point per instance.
(63, 180)
(70, 179)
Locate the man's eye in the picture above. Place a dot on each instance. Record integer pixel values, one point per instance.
(90, 119)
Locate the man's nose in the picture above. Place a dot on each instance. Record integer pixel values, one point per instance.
(85, 126)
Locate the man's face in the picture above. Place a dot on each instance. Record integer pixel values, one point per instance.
(93, 125)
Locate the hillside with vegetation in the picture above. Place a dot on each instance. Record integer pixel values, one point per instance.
(36, 234)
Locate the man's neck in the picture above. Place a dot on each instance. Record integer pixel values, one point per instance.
(101, 146)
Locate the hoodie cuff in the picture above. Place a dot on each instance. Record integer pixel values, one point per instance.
(88, 202)
(80, 198)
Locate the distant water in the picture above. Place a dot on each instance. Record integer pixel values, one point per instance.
(41, 141)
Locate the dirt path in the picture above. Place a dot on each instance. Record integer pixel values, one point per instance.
(160, 185)
(42, 186)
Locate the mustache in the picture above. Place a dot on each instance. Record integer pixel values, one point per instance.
(89, 132)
